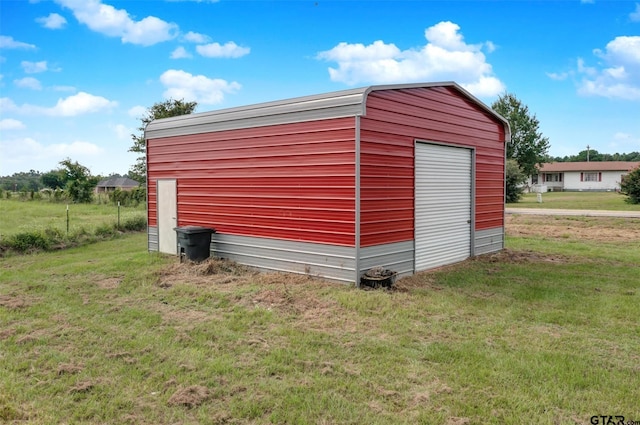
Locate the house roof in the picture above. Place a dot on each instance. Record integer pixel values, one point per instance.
(339, 104)
(118, 182)
(551, 167)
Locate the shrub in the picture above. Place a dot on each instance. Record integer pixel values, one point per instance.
(29, 241)
(105, 231)
(128, 198)
(630, 186)
(54, 234)
(134, 224)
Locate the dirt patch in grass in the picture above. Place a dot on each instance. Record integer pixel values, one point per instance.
(211, 271)
(423, 280)
(14, 302)
(190, 397)
(184, 316)
(69, 369)
(6, 333)
(82, 387)
(105, 282)
(602, 229)
(282, 291)
(518, 257)
(32, 337)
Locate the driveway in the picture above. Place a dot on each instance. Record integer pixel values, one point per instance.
(587, 213)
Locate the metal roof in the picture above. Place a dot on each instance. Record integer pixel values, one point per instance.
(555, 167)
(339, 104)
(118, 182)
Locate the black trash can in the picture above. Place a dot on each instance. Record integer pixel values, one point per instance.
(194, 242)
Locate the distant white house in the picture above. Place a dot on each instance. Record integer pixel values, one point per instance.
(581, 176)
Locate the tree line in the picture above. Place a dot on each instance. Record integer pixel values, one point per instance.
(34, 181)
(593, 155)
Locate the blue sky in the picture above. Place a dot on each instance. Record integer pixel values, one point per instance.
(77, 75)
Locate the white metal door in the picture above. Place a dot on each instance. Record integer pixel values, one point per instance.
(443, 189)
(167, 216)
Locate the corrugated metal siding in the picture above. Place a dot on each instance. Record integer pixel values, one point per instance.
(395, 256)
(293, 181)
(394, 120)
(488, 240)
(328, 261)
(152, 238)
(443, 205)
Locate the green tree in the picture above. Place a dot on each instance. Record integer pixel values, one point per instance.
(515, 178)
(79, 182)
(54, 179)
(166, 109)
(527, 146)
(630, 186)
(590, 155)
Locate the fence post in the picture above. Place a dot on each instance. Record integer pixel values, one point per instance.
(67, 219)
(118, 215)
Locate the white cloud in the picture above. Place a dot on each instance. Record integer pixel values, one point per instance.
(137, 112)
(34, 67)
(182, 85)
(122, 132)
(77, 148)
(485, 87)
(53, 21)
(194, 37)
(446, 56)
(106, 19)
(619, 75)
(227, 50)
(490, 46)
(11, 124)
(635, 16)
(77, 104)
(7, 105)
(558, 76)
(63, 88)
(27, 153)
(180, 53)
(28, 83)
(7, 42)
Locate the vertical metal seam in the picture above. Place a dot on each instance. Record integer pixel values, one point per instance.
(415, 204)
(357, 200)
(472, 229)
(157, 212)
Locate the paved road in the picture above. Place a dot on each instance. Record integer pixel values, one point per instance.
(588, 213)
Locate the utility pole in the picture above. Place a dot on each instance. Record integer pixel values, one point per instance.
(587, 153)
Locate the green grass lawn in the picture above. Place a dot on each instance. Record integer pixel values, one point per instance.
(576, 201)
(544, 333)
(21, 216)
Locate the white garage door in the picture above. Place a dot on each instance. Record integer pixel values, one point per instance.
(443, 205)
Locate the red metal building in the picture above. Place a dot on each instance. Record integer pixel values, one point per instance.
(408, 177)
